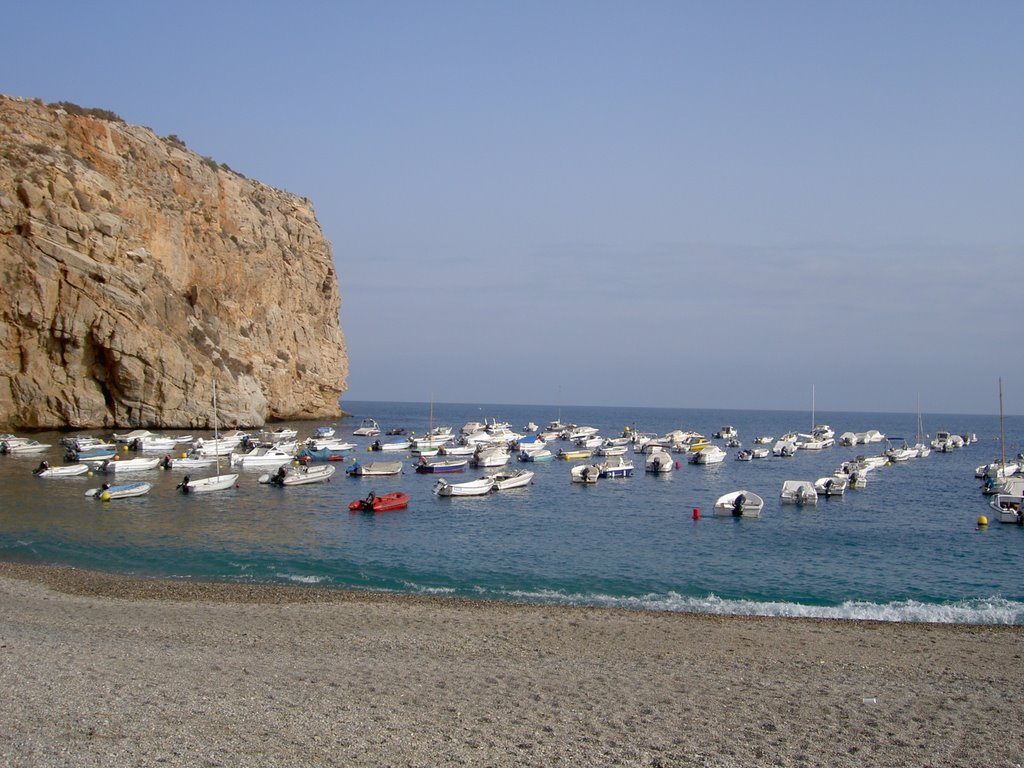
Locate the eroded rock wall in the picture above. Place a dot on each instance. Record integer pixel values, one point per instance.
(136, 273)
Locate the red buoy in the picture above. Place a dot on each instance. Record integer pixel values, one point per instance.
(696, 513)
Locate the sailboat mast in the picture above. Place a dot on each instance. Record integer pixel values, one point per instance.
(216, 431)
(1002, 434)
(812, 408)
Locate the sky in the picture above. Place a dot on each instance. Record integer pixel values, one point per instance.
(670, 204)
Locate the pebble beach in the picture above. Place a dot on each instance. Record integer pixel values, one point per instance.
(110, 670)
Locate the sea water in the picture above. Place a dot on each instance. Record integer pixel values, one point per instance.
(907, 547)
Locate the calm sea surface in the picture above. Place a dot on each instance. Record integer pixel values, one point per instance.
(905, 548)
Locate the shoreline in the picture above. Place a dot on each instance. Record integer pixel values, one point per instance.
(117, 670)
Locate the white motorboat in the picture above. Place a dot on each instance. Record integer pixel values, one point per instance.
(367, 428)
(658, 462)
(760, 453)
(1009, 507)
(261, 457)
(848, 439)
(616, 466)
(831, 486)
(709, 454)
(108, 492)
(609, 448)
(279, 436)
(375, 469)
(21, 446)
(799, 492)
(128, 437)
(304, 474)
(120, 466)
(726, 433)
(784, 448)
(66, 470)
(490, 457)
(585, 473)
(479, 487)
(744, 455)
(901, 453)
(739, 504)
(764, 439)
(511, 478)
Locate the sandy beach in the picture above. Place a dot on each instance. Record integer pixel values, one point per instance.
(104, 670)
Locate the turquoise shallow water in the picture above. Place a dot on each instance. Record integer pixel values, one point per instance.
(905, 548)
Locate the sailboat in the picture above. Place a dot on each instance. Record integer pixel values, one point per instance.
(920, 446)
(216, 482)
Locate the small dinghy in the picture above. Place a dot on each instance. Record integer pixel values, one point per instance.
(67, 470)
(384, 503)
(301, 475)
(480, 487)
(108, 492)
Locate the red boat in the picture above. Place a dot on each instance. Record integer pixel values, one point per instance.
(385, 503)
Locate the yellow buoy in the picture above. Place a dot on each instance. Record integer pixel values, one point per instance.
(124, 448)
(105, 496)
(982, 520)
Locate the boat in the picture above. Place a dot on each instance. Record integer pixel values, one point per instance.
(67, 470)
(764, 439)
(300, 475)
(746, 455)
(831, 486)
(922, 448)
(480, 487)
(108, 492)
(323, 433)
(739, 504)
(726, 433)
(574, 455)
(189, 461)
(1009, 507)
(217, 482)
(784, 448)
(326, 450)
(386, 502)
(490, 457)
(116, 465)
(128, 437)
(367, 428)
(610, 448)
(617, 466)
(530, 427)
(848, 439)
(395, 431)
(760, 453)
(375, 469)
(659, 462)
(541, 455)
(395, 445)
(441, 465)
(511, 478)
(262, 457)
(208, 484)
(709, 454)
(799, 492)
(279, 435)
(24, 447)
(901, 453)
(585, 473)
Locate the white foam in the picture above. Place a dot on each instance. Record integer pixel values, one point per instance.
(995, 610)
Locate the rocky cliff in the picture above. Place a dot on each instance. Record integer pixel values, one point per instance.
(137, 273)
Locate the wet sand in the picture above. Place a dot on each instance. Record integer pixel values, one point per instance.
(112, 671)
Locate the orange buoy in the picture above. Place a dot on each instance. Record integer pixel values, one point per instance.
(696, 513)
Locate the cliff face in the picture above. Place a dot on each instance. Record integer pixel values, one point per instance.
(136, 273)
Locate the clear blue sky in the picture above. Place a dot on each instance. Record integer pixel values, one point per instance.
(714, 204)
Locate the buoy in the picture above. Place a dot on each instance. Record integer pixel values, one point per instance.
(184, 455)
(677, 465)
(696, 513)
(982, 520)
(124, 448)
(105, 496)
